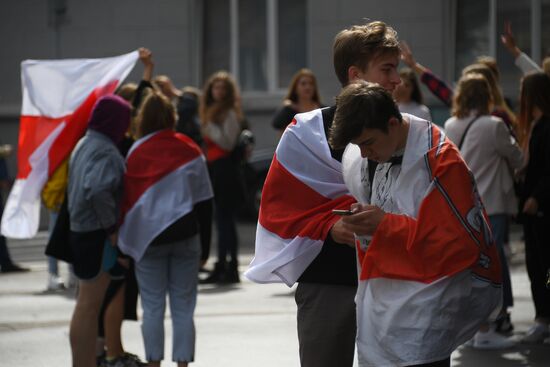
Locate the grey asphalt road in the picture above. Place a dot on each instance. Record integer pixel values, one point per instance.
(241, 325)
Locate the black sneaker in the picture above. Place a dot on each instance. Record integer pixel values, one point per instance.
(503, 325)
(126, 360)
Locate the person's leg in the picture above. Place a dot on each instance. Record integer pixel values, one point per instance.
(228, 228)
(112, 323)
(83, 330)
(152, 278)
(499, 225)
(183, 272)
(326, 324)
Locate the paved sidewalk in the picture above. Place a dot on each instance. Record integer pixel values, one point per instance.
(242, 325)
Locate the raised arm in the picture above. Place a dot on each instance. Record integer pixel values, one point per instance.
(522, 61)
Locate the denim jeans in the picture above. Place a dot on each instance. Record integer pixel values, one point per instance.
(500, 228)
(169, 269)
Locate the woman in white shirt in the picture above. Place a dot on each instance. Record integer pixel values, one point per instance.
(492, 154)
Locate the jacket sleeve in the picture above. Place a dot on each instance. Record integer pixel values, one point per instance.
(449, 235)
(438, 87)
(541, 192)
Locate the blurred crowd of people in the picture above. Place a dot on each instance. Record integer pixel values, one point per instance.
(508, 154)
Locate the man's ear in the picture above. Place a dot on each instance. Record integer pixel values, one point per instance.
(393, 122)
(354, 73)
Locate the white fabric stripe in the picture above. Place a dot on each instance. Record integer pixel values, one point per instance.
(305, 153)
(279, 260)
(22, 212)
(55, 88)
(162, 204)
(446, 311)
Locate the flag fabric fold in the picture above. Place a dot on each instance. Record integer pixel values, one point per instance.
(431, 273)
(303, 185)
(166, 175)
(58, 97)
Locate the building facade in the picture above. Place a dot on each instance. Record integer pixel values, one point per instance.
(261, 42)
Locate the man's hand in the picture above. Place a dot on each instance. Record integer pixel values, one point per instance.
(509, 41)
(531, 206)
(341, 235)
(365, 221)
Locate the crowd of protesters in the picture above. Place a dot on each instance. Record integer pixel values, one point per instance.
(155, 132)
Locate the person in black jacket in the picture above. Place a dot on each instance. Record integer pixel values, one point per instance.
(302, 96)
(535, 197)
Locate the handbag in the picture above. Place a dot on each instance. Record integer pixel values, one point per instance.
(58, 244)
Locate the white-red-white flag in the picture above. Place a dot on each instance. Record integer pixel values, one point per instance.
(302, 187)
(166, 175)
(58, 96)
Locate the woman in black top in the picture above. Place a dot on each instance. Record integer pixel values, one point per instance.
(535, 197)
(302, 96)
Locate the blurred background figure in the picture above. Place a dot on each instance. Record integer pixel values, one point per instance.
(534, 121)
(221, 121)
(493, 156)
(188, 115)
(302, 96)
(6, 263)
(408, 95)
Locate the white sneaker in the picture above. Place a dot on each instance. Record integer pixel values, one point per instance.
(55, 283)
(492, 340)
(536, 333)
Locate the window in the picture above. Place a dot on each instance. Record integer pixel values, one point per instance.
(479, 24)
(261, 42)
(519, 14)
(472, 33)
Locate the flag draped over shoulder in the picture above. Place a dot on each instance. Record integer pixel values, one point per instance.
(58, 96)
(166, 176)
(302, 187)
(431, 274)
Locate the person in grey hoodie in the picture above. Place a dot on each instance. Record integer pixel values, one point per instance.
(96, 170)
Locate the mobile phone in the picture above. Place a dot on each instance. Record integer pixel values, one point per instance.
(341, 212)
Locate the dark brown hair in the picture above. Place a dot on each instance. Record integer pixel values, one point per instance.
(292, 95)
(361, 105)
(535, 92)
(410, 76)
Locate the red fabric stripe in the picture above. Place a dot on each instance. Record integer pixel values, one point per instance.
(35, 129)
(214, 151)
(296, 209)
(155, 158)
(436, 244)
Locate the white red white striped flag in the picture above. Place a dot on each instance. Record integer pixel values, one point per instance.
(302, 187)
(58, 96)
(166, 175)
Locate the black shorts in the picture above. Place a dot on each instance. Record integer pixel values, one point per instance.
(87, 251)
